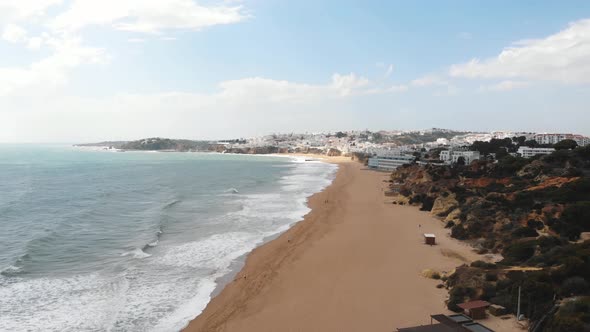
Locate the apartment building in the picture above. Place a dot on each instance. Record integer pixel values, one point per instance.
(451, 156)
(527, 152)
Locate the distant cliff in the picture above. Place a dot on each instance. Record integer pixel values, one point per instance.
(166, 144)
(105, 144)
(184, 145)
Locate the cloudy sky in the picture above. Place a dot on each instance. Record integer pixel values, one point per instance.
(89, 70)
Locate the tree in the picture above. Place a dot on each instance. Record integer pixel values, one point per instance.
(566, 144)
(461, 161)
(519, 140)
(501, 153)
(377, 137)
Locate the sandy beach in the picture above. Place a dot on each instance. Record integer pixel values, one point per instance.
(353, 264)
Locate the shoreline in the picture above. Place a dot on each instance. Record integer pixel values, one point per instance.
(351, 264)
(238, 264)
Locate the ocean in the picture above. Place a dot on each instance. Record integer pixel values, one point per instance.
(134, 241)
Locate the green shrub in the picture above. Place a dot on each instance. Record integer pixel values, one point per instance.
(535, 224)
(574, 286)
(458, 295)
(459, 232)
(491, 276)
(519, 252)
(524, 232)
(574, 220)
(483, 265)
(489, 291)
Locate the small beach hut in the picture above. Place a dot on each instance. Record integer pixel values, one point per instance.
(429, 239)
(475, 309)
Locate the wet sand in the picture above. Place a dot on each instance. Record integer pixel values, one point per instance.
(353, 264)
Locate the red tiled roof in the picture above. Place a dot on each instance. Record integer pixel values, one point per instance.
(473, 304)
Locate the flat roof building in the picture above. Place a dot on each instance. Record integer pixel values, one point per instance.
(452, 156)
(475, 309)
(390, 162)
(555, 138)
(452, 323)
(527, 152)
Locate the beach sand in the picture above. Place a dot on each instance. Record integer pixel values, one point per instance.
(353, 264)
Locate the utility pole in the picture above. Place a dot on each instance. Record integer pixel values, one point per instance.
(518, 306)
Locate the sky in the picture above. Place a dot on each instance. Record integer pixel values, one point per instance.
(89, 70)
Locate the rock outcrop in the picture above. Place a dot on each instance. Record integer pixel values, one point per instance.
(444, 204)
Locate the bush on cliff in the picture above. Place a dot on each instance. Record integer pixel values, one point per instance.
(573, 316)
(519, 252)
(459, 232)
(483, 265)
(574, 286)
(458, 295)
(524, 232)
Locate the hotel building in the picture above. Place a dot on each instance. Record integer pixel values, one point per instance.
(527, 152)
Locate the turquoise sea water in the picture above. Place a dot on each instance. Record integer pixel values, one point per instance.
(133, 241)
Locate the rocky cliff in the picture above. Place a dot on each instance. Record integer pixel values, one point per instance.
(531, 213)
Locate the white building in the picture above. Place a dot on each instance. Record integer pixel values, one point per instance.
(527, 152)
(555, 138)
(390, 162)
(451, 156)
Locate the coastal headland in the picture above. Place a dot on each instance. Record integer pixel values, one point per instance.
(355, 263)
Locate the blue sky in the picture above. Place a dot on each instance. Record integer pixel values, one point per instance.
(82, 70)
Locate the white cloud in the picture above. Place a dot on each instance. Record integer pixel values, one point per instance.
(19, 10)
(505, 86)
(398, 88)
(136, 40)
(268, 90)
(272, 105)
(347, 84)
(43, 76)
(465, 35)
(448, 90)
(442, 86)
(388, 89)
(14, 34)
(389, 71)
(428, 80)
(146, 16)
(61, 36)
(388, 68)
(35, 43)
(563, 57)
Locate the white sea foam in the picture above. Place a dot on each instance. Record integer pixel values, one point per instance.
(83, 303)
(10, 270)
(136, 253)
(175, 284)
(215, 253)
